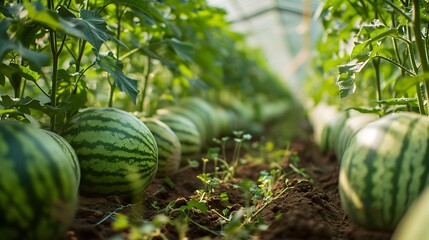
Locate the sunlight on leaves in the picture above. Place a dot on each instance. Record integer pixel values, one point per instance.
(42, 15)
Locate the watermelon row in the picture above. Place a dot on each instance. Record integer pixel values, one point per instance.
(383, 164)
(99, 152)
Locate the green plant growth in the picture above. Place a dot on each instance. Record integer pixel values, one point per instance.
(237, 223)
(376, 52)
(60, 56)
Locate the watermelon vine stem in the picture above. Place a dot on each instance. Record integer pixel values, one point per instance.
(415, 69)
(118, 36)
(54, 52)
(398, 58)
(421, 50)
(146, 83)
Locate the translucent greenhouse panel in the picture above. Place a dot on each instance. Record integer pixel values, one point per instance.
(281, 29)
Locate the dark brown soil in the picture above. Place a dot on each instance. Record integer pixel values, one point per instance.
(309, 209)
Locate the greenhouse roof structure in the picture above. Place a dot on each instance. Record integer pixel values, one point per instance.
(285, 30)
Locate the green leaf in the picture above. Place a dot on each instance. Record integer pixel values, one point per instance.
(346, 78)
(405, 83)
(366, 109)
(2, 80)
(114, 67)
(25, 72)
(24, 105)
(376, 31)
(144, 6)
(398, 101)
(224, 196)
(90, 27)
(184, 50)
(193, 203)
(42, 15)
(35, 58)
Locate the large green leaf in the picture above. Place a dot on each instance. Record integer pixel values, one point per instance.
(376, 32)
(25, 72)
(90, 27)
(37, 59)
(405, 83)
(114, 67)
(24, 105)
(38, 13)
(182, 49)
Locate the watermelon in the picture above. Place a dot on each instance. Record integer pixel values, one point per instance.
(169, 148)
(350, 126)
(384, 169)
(414, 223)
(225, 121)
(117, 153)
(206, 111)
(69, 151)
(38, 191)
(195, 118)
(186, 132)
(321, 117)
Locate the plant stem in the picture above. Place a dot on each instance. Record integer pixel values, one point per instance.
(421, 50)
(376, 63)
(118, 36)
(146, 83)
(410, 48)
(398, 59)
(53, 42)
(236, 157)
(112, 91)
(393, 5)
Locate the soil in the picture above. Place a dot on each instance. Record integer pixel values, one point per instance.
(309, 209)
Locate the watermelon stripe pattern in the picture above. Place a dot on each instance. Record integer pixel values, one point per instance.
(384, 169)
(186, 132)
(190, 115)
(38, 197)
(117, 152)
(169, 148)
(69, 151)
(206, 112)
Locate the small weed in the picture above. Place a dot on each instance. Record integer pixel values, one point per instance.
(234, 222)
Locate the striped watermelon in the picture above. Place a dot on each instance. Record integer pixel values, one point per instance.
(169, 148)
(186, 132)
(225, 121)
(195, 118)
(384, 169)
(414, 223)
(69, 151)
(38, 194)
(350, 126)
(206, 111)
(117, 153)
